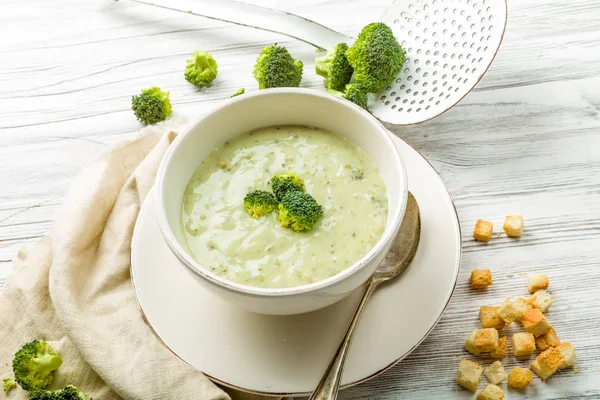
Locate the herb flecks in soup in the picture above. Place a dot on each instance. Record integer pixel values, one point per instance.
(225, 239)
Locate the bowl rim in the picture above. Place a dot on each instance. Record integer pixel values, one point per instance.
(185, 257)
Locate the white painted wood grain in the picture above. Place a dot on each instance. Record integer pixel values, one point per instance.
(526, 140)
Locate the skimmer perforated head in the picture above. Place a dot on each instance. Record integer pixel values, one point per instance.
(449, 45)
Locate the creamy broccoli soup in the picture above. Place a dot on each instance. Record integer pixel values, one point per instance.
(259, 252)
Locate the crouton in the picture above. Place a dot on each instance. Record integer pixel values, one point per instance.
(520, 378)
(542, 300)
(523, 344)
(469, 374)
(511, 311)
(470, 343)
(547, 363)
(495, 373)
(535, 322)
(490, 319)
(491, 392)
(513, 225)
(569, 358)
(501, 349)
(481, 278)
(483, 230)
(537, 282)
(486, 339)
(547, 340)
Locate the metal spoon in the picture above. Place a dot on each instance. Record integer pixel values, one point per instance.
(395, 263)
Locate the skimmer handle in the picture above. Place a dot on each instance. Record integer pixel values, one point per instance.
(258, 17)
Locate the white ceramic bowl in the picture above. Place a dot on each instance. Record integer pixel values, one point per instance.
(284, 106)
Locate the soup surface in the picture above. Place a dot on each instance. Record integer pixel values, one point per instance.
(222, 237)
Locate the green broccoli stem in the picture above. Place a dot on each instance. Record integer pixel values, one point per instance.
(322, 64)
(335, 92)
(47, 363)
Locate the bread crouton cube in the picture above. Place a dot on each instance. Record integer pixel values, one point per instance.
(542, 300)
(523, 344)
(481, 278)
(491, 392)
(547, 363)
(483, 230)
(547, 340)
(520, 378)
(569, 358)
(470, 343)
(511, 311)
(537, 282)
(495, 372)
(486, 339)
(490, 318)
(535, 322)
(501, 349)
(513, 225)
(469, 374)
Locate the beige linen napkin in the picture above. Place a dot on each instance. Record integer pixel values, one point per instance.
(74, 290)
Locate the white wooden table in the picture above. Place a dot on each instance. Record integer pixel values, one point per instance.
(526, 140)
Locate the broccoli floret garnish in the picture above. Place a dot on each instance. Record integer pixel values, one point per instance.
(299, 211)
(151, 106)
(241, 91)
(376, 57)
(34, 365)
(284, 183)
(8, 384)
(259, 203)
(354, 93)
(200, 69)
(68, 393)
(275, 67)
(334, 67)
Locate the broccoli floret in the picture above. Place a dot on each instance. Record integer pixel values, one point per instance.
(334, 67)
(241, 91)
(34, 365)
(151, 106)
(201, 68)
(275, 67)
(259, 203)
(8, 384)
(68, 393)
(376, 57)
(283, 183)
(299, 211)
(354, 93)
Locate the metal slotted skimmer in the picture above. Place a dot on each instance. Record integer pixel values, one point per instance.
(449, 45)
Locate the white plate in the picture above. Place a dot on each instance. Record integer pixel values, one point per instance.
(286, 355)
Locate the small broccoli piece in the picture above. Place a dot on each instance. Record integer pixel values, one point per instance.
(334, 67)
(151, 106)
(354, 93)
(68, 393)
(275, 67)
(8, 384)
(299, 211)
(376, 57)
(259, 203)
(241, 91)
(283, 183)
(357, 174)
(34, 365)
(200, 69)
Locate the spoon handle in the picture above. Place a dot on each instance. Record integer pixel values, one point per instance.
(330, 383)
(258, 17)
